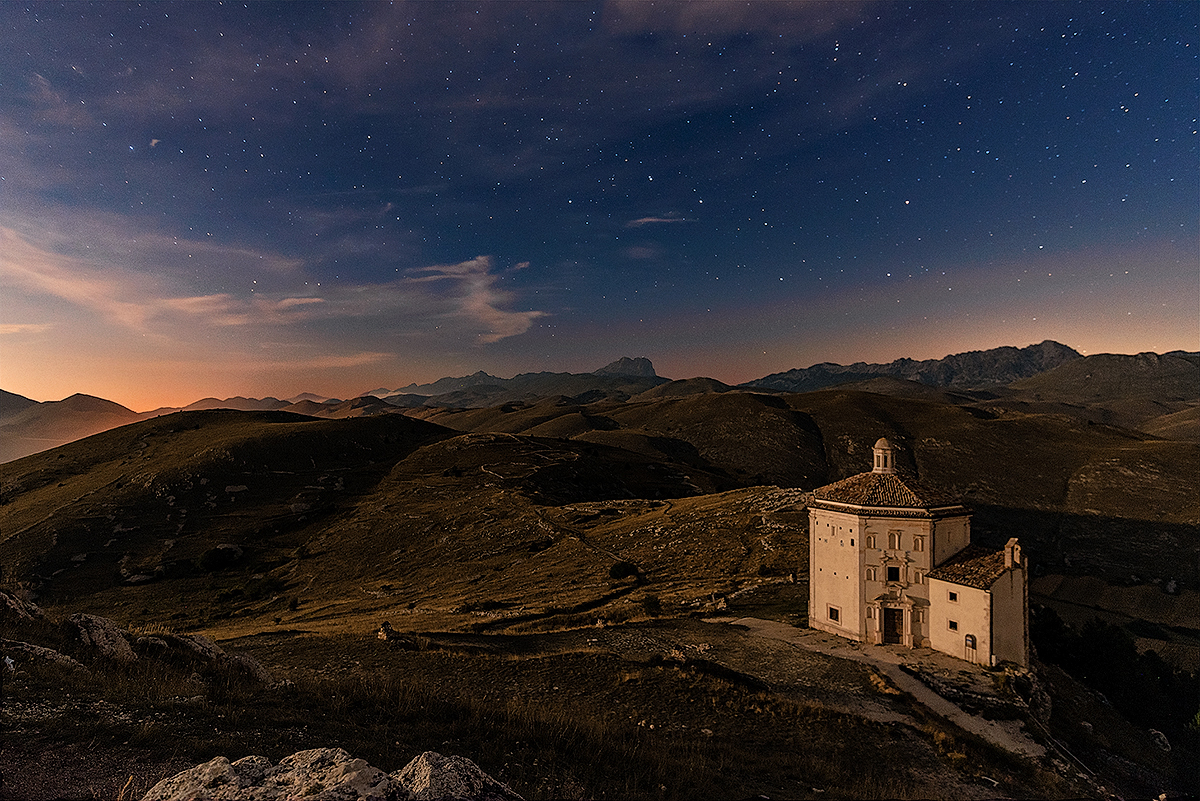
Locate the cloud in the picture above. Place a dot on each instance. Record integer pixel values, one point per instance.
(451, 301)
(475, 295)
(23, 328)
(640, 221)
(802, 21)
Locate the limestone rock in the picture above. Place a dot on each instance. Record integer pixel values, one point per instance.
(22, 651)
(320, 774)
(201, 648)
(103, 636)
(433, 777)
(251, 667)
(330, 774)
(13, 607)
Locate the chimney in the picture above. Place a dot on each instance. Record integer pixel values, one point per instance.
(1012, 553)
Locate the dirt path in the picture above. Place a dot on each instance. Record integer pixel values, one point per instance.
(1005, 734)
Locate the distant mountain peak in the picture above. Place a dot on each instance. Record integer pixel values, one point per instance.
(972, 369)
(640, 367)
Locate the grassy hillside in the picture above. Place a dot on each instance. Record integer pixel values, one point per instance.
(542, 560)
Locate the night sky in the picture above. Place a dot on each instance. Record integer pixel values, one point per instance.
(202, 199)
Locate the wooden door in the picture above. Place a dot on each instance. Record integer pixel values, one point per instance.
(893, 625)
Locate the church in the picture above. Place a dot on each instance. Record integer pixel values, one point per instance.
(891, 561)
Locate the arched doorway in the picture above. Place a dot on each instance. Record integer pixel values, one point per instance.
(893, 625)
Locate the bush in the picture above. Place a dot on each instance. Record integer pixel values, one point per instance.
(622, 570)
(218, 558)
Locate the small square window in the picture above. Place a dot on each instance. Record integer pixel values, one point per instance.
(953, 625)
(835, 614)
(893, 574)
(954, 597)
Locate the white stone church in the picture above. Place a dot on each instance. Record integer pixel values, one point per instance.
(891, 561)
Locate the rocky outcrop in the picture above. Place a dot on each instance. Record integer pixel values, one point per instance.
(204, 650)
(102, 636)
(330, 774)
(433, 777)
(15, 608)
(23, 652)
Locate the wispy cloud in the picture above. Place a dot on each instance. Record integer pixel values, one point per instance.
(23, 328)
(475, 294)
(463, 301)
(640, 221)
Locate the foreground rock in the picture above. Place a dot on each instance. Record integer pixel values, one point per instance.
(23, 651)
(17, 608)
(102, 636)
(330, 774)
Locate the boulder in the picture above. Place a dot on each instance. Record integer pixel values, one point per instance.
(23, 651)
(15, 608)
(331, 774)
(321, 774)
(433, 777)
(102, 636)
(201, 648)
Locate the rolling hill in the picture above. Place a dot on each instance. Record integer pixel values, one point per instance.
(560, 543)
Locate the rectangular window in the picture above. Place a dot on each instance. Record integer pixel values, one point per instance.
(870, 613)
(953, 625)
(893, 574)
(954, 597)
(835, 614)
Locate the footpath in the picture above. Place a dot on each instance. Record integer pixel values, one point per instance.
(1006, 734)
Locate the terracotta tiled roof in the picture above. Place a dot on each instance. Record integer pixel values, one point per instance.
(973, 566)
(884, 489)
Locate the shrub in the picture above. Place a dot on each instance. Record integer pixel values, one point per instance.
(651, 605)
(218, 558)
(622, 570)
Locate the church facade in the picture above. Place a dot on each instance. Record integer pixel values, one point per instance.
(891, 561)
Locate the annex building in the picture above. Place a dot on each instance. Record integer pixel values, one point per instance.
(891, 561)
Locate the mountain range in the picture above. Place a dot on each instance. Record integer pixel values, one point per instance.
(542, 540)
(1157, 394)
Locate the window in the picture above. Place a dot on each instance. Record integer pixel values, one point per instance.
(870, 540)
(894, 539)
(918, 577)
(870, 613)
(920, 615)
(872, 575)
(970, 640)
(852, 542)
(835, 614)
(893, 574)
(918, 543)
(953, 625)
(953, 597)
